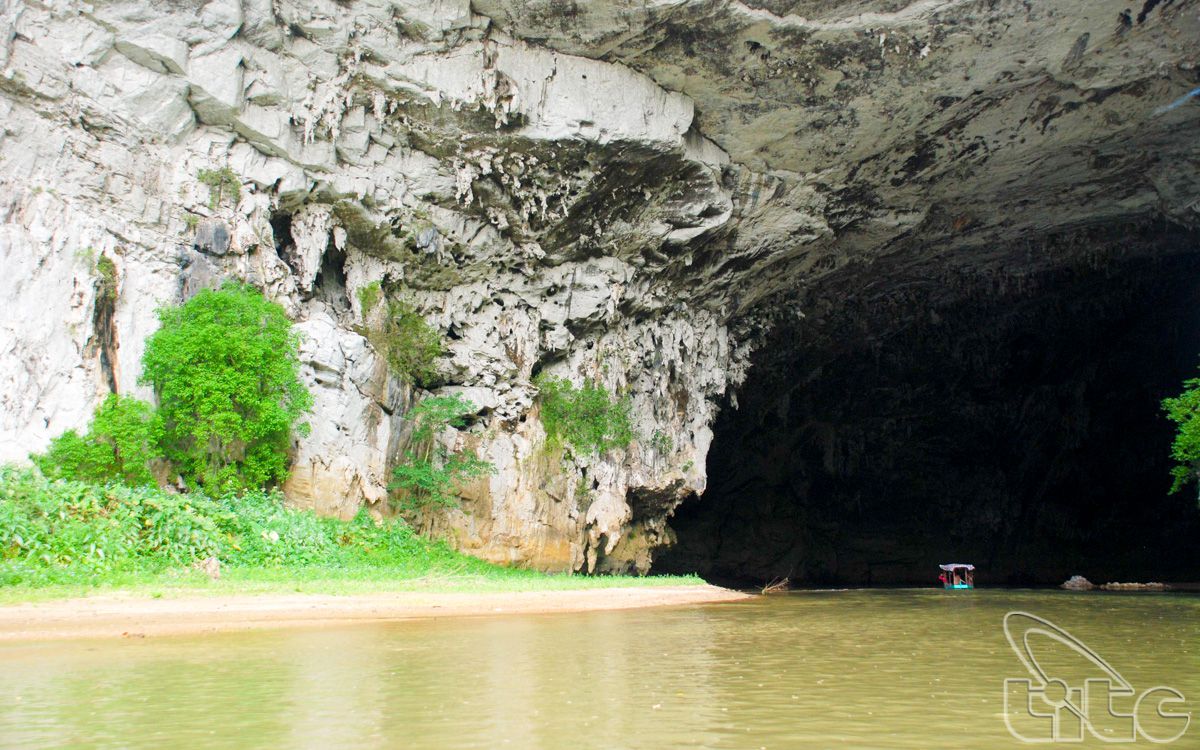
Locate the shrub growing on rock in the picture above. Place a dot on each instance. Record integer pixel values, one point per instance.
(221, 183)
(106, 272)
(402, 337)
(430, 473)
(587, 418)
(225, 368)
(119, 445)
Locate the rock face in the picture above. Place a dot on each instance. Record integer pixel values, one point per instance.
(632, 193)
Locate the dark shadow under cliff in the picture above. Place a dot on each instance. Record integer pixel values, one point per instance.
(923, 412)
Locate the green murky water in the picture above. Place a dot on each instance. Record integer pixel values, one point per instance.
(869, 669)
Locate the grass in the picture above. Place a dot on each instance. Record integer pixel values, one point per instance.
(338, 581)
(63, 539)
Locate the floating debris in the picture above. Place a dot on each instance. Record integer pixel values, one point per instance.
(777, 586)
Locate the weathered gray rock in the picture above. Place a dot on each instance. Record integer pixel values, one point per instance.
(212, 237)
(196, 273)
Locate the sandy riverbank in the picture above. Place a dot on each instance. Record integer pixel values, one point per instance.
(132, 616)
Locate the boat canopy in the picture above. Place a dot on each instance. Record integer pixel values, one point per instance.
(955, 566)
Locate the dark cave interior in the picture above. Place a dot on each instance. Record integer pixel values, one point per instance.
(1005, 413)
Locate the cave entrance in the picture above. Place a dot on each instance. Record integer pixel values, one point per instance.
(1009, 419)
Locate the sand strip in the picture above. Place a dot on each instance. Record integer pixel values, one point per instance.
(132, 616)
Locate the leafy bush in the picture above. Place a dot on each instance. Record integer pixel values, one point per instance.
(586, 418)
(662, 443)
(1184, 411)
(119, 445)
(430, 474)
(369, 295)
(106, 270)
(409, 344)
(77, 532)
(225, 368)
(221, 183)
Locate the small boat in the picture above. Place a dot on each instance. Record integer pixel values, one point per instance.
(957, 576)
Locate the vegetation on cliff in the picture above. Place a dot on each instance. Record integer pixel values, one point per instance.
(106, 278)
(401, 336)
(431, 473)
(587, 418)
(222, 183)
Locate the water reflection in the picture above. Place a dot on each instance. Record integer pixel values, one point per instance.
(895, 669)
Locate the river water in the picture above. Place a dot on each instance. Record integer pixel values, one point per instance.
(865, 668)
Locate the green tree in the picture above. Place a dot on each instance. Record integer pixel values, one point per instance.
(587, 418)
(119, 445)
(1184, 411)
(221, 183)
(430, 473)
(225, 367)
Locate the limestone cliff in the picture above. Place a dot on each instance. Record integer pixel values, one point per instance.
(631, 192)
